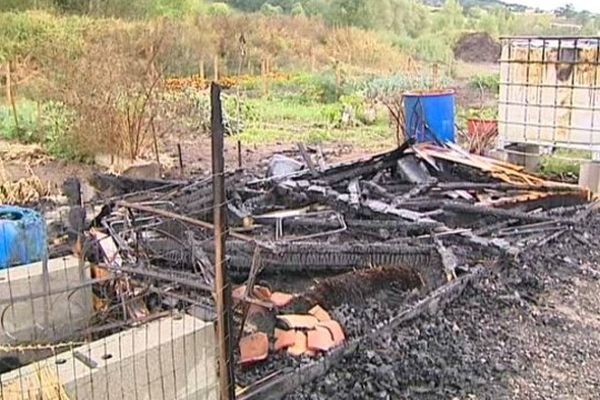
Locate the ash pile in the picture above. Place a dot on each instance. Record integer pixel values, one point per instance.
(323, 256)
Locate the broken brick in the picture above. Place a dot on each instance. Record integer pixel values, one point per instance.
(300, 344)
(320, 339)
(296, 321)
(281, 299)
(319, 313)
(336, 331)
(284, 339)
(261, 293)
(254, 348)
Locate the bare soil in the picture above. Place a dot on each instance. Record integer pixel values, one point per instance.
(477, 47)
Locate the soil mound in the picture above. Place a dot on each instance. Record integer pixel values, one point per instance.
(477, 47)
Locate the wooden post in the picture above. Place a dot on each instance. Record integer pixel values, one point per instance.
(338, 78)
(239, 144)
(267, 72)
(10, 97)
(263, 75)
(155, 140)
(216, 68)
(180, 159)
(222, 286)
(202, 76)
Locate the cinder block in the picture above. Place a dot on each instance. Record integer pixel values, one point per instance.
(171, 358)
(33, 312)
(526, 155)
(589, 176)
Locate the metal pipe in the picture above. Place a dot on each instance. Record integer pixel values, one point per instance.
(188, 220)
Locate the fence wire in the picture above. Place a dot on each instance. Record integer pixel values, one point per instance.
(129, 315)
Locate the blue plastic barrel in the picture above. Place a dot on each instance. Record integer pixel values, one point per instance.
(23, 236)
(429, 116)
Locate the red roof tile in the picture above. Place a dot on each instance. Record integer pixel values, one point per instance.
(300, 346)
(336, 331)
(297, 321)
(319, 313)
(284, 339)
(281, 299)
(254, 348)
(320, 339)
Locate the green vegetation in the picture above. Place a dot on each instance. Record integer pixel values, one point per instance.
(47, 123)
(88, 76)
(564, 164)
(486, 82)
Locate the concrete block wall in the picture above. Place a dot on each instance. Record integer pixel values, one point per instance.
(171, 358)
(54, 310)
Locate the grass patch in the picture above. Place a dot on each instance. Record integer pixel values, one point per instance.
(46, 123)
(563, 163)
(279, 120)
(372, 137)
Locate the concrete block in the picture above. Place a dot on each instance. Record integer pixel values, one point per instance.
(171, 358)
(589, 176)
(526, 155)
(34, 312)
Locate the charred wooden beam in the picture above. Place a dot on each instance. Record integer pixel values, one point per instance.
(119, 184)
(468, 209)
(297, 257)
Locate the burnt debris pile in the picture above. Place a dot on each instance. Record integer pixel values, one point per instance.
(322, 256)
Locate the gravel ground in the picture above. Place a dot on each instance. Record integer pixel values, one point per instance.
(528, 330)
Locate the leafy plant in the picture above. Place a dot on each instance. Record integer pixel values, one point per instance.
(57, 120)
(485, 113)
(390, 92)
(486, 82)
(27, 130)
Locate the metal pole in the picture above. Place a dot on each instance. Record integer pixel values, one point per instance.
(222, 287)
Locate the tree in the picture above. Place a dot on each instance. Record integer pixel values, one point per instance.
(297, 9)
(567, 11)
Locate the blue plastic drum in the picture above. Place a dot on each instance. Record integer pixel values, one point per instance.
(429, 116)
(23, 236)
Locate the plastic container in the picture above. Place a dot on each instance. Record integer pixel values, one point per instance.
(23, 236)
(429, 116)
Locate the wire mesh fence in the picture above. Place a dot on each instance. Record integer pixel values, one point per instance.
(548, 92)
(129, 316)
(129, 311)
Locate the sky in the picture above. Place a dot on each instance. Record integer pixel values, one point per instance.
(590, 5)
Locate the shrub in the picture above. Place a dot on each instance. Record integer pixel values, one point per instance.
(489, 82)
(25, 129)
(269, 9)
(218, 9)
(48, 124)
(57, 121)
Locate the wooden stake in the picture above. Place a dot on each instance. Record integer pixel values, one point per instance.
(216, 68)
(180, 159)
(155, 140)
(222, 286)
(202, 76)
(10, 97)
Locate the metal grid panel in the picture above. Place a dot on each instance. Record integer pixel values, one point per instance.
(549, 92)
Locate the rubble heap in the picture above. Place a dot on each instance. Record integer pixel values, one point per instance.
(325, 255)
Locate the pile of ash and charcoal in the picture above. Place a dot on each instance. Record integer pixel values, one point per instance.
(323, 257)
